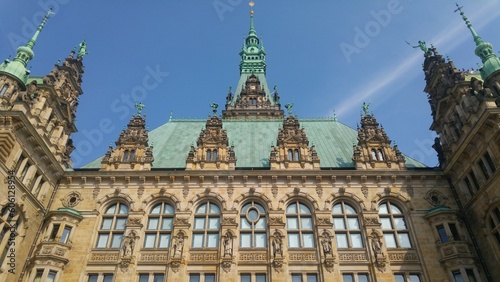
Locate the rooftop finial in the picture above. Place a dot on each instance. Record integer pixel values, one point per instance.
(366, 108)
(32, 41)
(251, 4)
(477, 38)
(139, 106)
(252, 29)
(82, 51)
(214, 107)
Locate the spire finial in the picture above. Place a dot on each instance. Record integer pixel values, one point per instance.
(251, 4)
(214, 107)
(82, 50)
(477, 38)
(366, 108)
(32, 41)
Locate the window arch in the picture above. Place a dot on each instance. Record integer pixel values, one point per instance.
(159, 226)
(209, 155)
(206, 226)
(214, 155)
(113, 224)
(296, 155)
(125, 156)
(290, 155)
(380, 155)
(10, 221)
(131, 157)
(394, 227)
(495, 224)
(299, 226)
(346, 225)
(253, 231)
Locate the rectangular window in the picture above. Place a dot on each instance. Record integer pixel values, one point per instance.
(246, 278)
(312, 278)
(94, 277)
(102, 240)
(38, 275)
(454, 232)
(457, 276)
(293, 240)
(296, 277)
(194, 278)
(116, 241)
(470, 275)
(164, 241)
(197, 240)
(142, 278)
(158, 277)
(347, 278)
(399, 278)
(65, 234)
(484, 170)
(260, 277)
(55, 230)
(149, 241)
(209, 277)
(107, 278)
(363, 278)
(390, 241)
(414, 277)
(51, 277)
(442, 234)
(308, 240)
(489, 161)
(404, 240)
(468, 185)
(474, 179)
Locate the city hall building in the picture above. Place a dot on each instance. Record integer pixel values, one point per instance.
(213, 201)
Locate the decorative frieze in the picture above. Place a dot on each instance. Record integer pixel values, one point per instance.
(403, 256)
(252, 256)
(154, 257)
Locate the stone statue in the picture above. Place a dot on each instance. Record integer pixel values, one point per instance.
(421, 45)
(214, 107)
(289, 108)
(366, 108)
(128, 244)
(277, 244)
(228, 244)
(179, 244)
(439, 150)
(139, 107)
(326, 243)
(376, 244)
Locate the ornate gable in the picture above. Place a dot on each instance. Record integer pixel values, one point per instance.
(374, 149)
(132, 150)
(213, 150)
(291, 150)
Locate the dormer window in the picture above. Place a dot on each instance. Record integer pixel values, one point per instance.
(4, 89)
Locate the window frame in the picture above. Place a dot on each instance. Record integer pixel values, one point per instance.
(159, 231)
(112, 231)
(394, 230)
(300, 231)
(253, 231)
(206, 231)
(347, 230)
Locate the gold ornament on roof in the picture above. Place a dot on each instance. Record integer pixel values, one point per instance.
(251, 4)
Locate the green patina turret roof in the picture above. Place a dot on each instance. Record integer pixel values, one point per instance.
(484, 50)
(17, 67)
(252, 140)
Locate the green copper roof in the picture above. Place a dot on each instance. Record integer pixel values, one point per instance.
(70, 210)
(252, 140)
(484, 50)
(17, 67)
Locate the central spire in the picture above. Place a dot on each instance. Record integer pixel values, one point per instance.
(252, 97)
(484, 50)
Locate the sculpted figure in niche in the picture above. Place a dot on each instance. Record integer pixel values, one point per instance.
(326, 243)
(277, 244)
(376, 244)
(179, 244)
(128, 246)
(228, 244)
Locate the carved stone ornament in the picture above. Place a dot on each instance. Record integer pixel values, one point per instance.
(71, 200)
(134, 221)
(175, 264)
(329, 263)
(435, 198)
(181, 221)
(378, 254)
(228, 221)
(326, 243)
(324, 221)
(227, 258)
(276, 220)
(371, 220)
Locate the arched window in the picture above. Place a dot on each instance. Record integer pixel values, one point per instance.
(380, 155)
(4, 89)
(253, 226)
(159, 228)
(112, 226)
(396, 233)
(299, 226)
(346, 225)
(374, 154)
(209, 155)
(206, 226)
(214, 155)
(10, 223)
(495, 224)
(132, 155)
(125, 156)
(290, 155)
(296, 155)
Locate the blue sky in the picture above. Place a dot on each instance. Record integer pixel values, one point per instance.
(322, 55)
